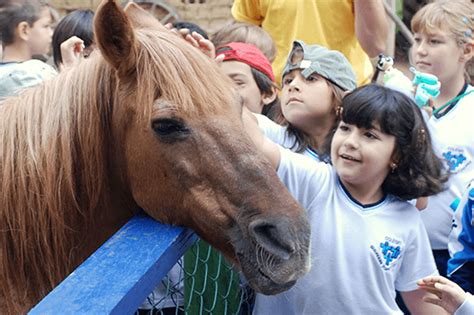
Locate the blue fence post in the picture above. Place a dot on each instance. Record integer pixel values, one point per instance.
(118, 277)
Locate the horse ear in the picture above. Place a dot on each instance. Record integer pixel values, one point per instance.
(141, 18)
(114, 36)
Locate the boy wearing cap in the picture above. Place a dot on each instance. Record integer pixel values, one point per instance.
(315, 79)
(252, 74)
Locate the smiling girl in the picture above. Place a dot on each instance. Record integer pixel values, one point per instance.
(367, 241)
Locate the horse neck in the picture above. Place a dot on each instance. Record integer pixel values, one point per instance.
(111, 214)
(51, 200)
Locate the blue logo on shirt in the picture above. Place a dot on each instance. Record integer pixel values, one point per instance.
(454, 160)
(387, 252)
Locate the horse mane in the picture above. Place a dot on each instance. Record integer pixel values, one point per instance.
(52, 176)
(54, 141)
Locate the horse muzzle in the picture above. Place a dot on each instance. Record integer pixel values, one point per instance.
(274, 253)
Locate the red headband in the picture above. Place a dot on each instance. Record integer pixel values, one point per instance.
(248, 54)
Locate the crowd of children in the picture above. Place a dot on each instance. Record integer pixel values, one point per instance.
(354, 157)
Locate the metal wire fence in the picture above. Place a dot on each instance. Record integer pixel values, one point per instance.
(201, 282)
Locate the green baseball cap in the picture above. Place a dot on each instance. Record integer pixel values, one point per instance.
(330, 64)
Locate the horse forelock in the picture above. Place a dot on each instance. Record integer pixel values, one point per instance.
(180, 74)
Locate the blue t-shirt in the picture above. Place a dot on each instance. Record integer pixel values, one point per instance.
(461, 239)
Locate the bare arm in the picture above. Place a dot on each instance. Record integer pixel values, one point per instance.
(415, 302)
(371, 26)
(265, 145)
(447, 293)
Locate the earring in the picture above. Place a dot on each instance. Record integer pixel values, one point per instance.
(393, 166)
(339, 111)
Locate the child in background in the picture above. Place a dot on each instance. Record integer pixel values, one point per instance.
(367, 240)
(449, 295)
(244, 62)
(252, 75)
(443, 33)
(73, 38)
(25, 27)
(242, 32)
(315, 79)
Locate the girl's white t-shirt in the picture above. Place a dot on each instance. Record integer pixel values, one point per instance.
(360, 255)
(453, 141)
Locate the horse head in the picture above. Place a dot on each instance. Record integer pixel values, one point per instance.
(179, 141)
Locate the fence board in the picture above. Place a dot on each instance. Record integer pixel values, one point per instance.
(117, 278)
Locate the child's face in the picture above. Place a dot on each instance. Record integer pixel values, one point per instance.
(438, 53)
(362, 156)
(306, 102)
(246, 86)
(40, 33)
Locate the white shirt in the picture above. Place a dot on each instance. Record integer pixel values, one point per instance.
(453, 141)
(467, 307)
(360, 255)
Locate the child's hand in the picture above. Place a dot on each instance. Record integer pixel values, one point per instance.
(71, 51)
(195, 39)
(449, 295)
(205, 45)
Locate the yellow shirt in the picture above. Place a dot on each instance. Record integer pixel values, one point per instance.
(329, 23)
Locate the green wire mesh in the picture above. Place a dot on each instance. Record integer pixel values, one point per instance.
(202, 282)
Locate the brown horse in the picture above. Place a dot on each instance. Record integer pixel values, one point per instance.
(146, 122)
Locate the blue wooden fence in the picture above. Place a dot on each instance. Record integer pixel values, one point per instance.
(118, 277)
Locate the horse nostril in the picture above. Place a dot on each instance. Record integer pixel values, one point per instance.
(275, 237)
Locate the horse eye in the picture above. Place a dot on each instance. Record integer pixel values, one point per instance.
(170, 129)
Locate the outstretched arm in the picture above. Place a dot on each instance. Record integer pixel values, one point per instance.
(371, 26)
(265, 145)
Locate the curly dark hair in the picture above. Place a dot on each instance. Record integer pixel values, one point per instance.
(420, 172)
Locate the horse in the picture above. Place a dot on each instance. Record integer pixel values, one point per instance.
(146, 122)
